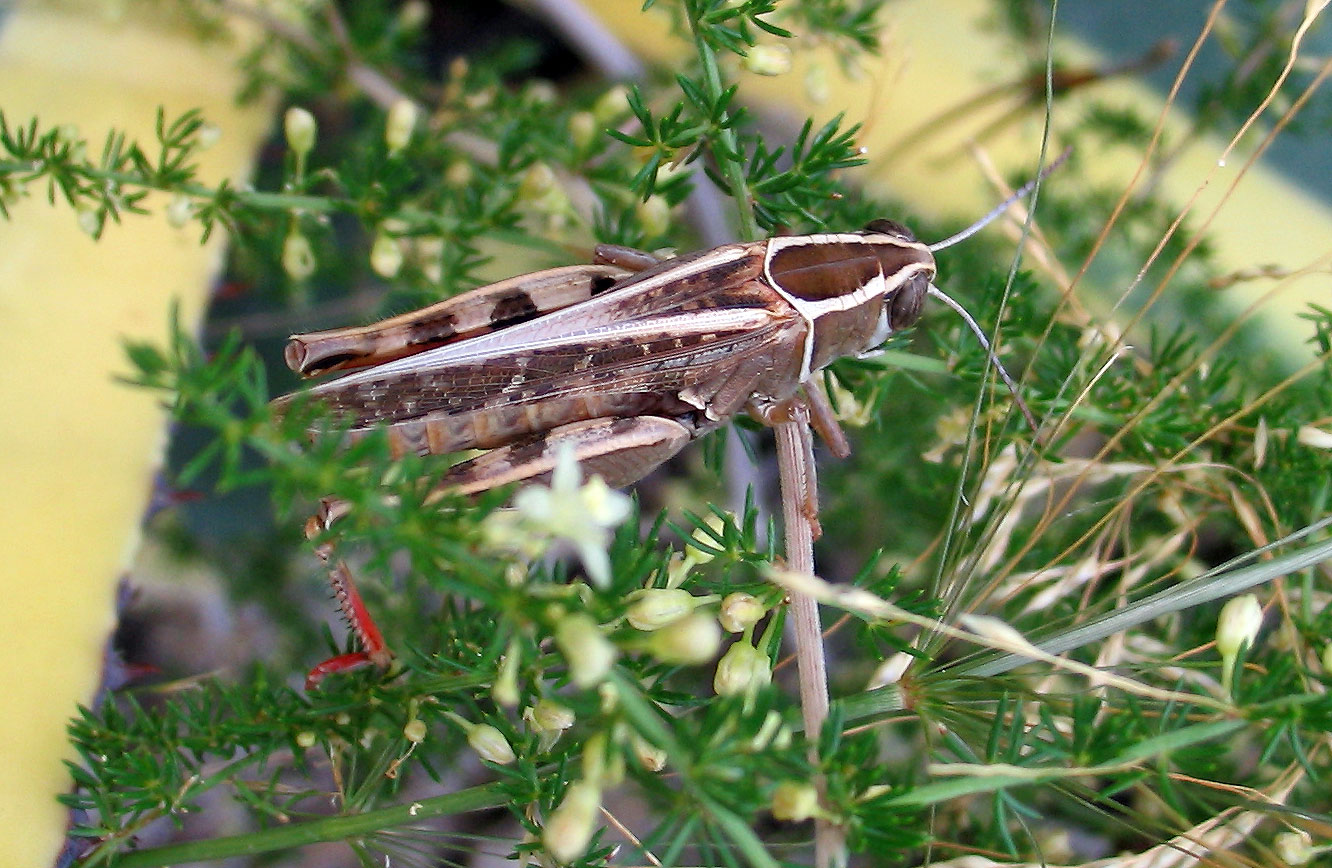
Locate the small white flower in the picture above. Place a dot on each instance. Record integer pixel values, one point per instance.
(582, 516)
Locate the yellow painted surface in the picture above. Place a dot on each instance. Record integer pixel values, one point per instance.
(77, 449)
(939, 54)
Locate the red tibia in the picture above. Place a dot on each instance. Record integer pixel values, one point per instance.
(358, 617)
(341, 663)
(362, 626)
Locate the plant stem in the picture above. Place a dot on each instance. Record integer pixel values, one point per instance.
(328, 829)
(727, 154)
(795, 464)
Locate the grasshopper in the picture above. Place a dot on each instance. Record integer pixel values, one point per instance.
(624, 361)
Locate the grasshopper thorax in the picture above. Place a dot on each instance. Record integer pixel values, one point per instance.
(852, 289)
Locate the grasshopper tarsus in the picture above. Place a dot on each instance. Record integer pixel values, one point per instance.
(630, 258)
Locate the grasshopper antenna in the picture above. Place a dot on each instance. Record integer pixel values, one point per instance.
(984, 342)
(1002, 206)
(962, 312)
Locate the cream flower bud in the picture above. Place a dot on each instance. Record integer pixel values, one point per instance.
(649, 756)
(1295, 848)
(298, 258)
(538, 180)
(768, 60)
(400, 124)
(1236, 628)
(414, 730)
(505, 689)
(413, 14)
(603, 763)
(549, 716)
(300, 128)
(816, 84)
(541, 92)
(209, 135)
(386, 255)
(795, 801)
(743, 669)
(305, 739)
(583, 129)
(1316, 438)
(740, 611)
(654, 215)
(654, 608)
(570, 826)
(490, 744)
(690, 641)
(178, 210)
(89, 221)
(458, 174)
(611, 105)
(589, 654)
(1241, 617)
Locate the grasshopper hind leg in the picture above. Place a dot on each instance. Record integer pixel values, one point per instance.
(374, 651)
(619, 450)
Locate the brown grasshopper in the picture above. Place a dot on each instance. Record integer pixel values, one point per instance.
(623, 361)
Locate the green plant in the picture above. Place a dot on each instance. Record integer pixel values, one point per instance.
(1195, 467)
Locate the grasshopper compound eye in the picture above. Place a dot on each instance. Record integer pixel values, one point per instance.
(906, 304)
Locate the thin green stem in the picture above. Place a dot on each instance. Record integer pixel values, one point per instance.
(318, 831)
(731, 169)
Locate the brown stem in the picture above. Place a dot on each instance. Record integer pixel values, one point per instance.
(795, 464)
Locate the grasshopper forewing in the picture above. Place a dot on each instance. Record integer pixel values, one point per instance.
(625, 360)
